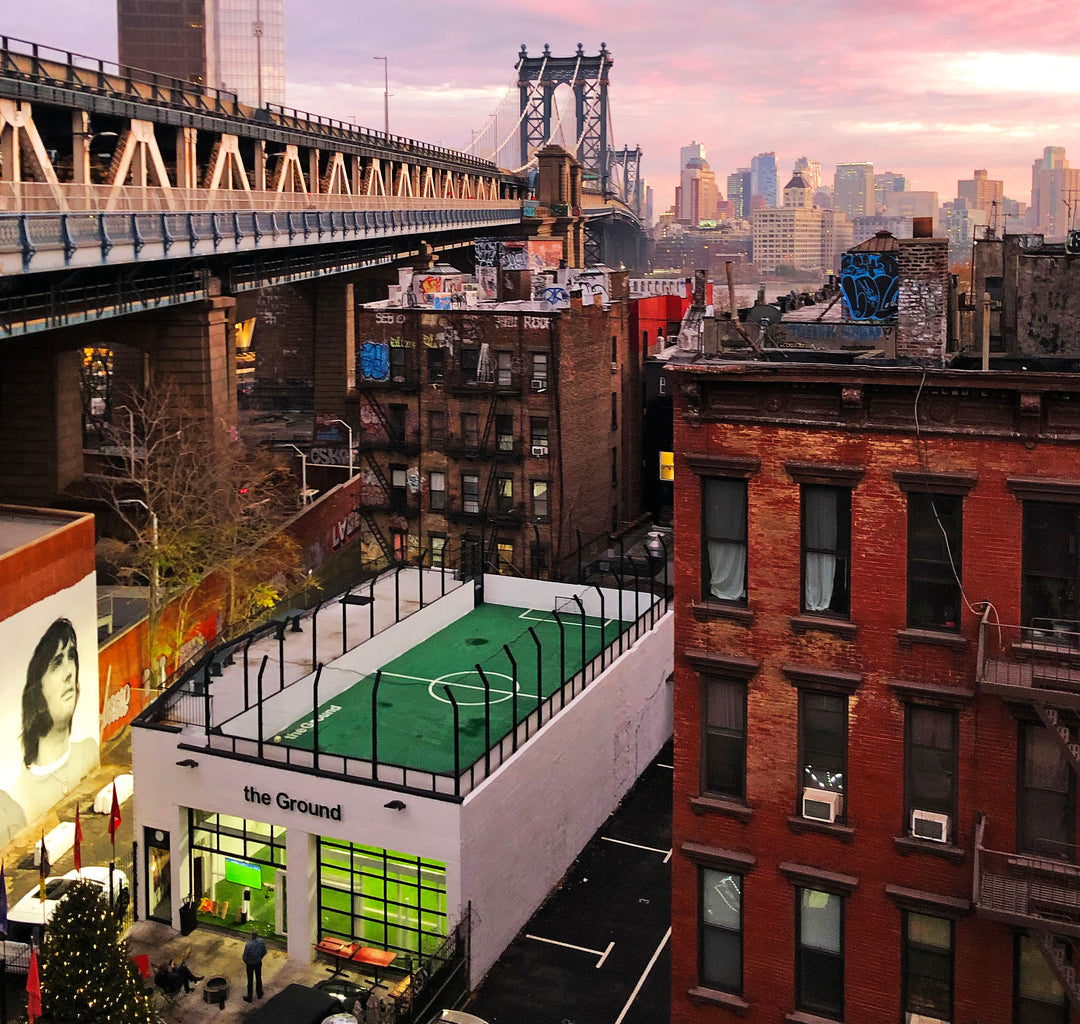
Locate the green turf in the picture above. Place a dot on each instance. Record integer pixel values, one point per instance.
(262, 904)
(415, 727)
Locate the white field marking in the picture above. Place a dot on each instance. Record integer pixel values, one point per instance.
(638, 846)
(644, 974)
(547, 617)
(581, 949)
(670, 767)
(503, 695)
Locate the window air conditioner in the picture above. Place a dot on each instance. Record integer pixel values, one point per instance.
(614, 367)
(928, 825)
(539, 449)
(538, 384)
(822, 804)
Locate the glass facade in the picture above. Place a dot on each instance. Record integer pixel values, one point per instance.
(382, 898)
(242, 57)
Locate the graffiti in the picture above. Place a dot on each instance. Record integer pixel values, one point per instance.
(536, 323)
(344, 529)
(869, 282)
(328, 456)
(368, 416)
(506, 321)
(487, 252)
(515, 259)
(374, 361)
(487, 278)
(116, 706)
(412, 478)
(556, 296)
(389, 318)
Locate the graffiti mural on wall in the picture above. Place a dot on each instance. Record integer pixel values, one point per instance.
(374, 360)
(869, 281)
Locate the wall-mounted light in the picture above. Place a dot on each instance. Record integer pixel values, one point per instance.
(395, 805)
(188, 762)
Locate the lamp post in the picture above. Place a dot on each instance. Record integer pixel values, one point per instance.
(153, 542)
(303, 472)
(386, 94)
(349, 429)
(131, 439)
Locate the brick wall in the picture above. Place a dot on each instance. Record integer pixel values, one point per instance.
(990, 570)
(923, 302)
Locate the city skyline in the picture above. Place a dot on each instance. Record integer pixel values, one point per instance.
(878, 92)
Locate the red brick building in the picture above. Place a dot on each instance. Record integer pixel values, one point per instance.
(877, 691)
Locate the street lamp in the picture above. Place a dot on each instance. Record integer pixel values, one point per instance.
(131, 437)
(386, 94)
(303, 472)
(153, 541)
(349, 429)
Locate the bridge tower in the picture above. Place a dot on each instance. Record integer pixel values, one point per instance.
(588, 76)
(632, 189)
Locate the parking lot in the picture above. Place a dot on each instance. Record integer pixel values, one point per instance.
(597, 952)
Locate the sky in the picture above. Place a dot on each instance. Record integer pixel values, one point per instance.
(927, 88)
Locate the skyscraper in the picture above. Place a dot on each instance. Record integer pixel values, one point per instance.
(1055, 194)
(853, 189)
(982, 191)
(738, 191)
(809, 171)
(887, 182)
(697, 193)
(234, 45)
(695, 151)
(763, 177)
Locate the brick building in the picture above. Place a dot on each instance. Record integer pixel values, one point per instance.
(499, 431)
(876, 701)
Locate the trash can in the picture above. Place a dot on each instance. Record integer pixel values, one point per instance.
(188, 917)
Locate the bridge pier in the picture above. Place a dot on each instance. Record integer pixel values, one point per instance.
(335, 343)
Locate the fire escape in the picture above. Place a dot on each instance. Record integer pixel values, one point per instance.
(1037, 667)
(366, 513)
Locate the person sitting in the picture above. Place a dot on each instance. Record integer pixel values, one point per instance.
(173, 977)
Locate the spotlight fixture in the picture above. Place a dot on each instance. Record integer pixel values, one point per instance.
(395, 805)
(187, 763)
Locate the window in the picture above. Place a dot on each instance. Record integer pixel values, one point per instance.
(540, 500)
(663, 385)
(1049, 597)
(504, 432)
(470, 430)
(927, 966)
(504, 369)
(399, 540)
(819, 953)
(539, 431)
(505, 549)
(397, 363)
(934, 560)
(436, 363)
(437, 429)
(470, 364)
(540, 368)
(436, 491)
(1037, 994)
(614, 349)
(614, 411)
(614, 467)
(1046, 795)
(930, 766)
(725, 538)
(823, 728)
(399, 478)
(725, 737)
(438, 550)
(504, 495)
(720, 951)
(397, 419)
(470, 494)
(826, 549)
(539, 559)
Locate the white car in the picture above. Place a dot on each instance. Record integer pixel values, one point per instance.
(29, 918)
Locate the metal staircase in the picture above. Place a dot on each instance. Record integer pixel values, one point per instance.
(1057, 953)
(1051, 718)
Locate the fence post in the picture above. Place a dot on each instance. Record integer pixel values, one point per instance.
(259, 706)
(637, 594)
(603, 619)
(344, 620)
(539, 682)
(667, 599)
(281, 655)
(584, 644)
(457, 742)
(579, 573)
(397, 592)
(487, 720)
(206, 696)
(315, 634)
(420, 578)
(315, 719)
(513, 696)
(134, 880)
(371, 617)
(562, 659)
(374, 726)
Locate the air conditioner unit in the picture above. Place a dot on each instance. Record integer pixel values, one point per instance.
(929, 825)
(614, 367)
(539, 449)
(538, 384)
(822, 804)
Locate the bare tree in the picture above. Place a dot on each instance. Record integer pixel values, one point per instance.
(199, 502)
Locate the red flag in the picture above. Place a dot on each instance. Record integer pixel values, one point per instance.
(33, 989)
(114, 816)
(78, 840)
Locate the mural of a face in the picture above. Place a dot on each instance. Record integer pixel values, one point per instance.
(60, 684)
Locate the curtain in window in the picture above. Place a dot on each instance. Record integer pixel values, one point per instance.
(726, 527)
(820, 515)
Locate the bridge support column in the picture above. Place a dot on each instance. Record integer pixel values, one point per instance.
(335, 343)
(40, 423)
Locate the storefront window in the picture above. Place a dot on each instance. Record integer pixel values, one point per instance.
(238, 872)
(385, 899)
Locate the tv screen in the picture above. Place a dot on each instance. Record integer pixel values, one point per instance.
(243, 873)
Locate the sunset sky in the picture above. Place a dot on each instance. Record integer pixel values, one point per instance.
(928, 88)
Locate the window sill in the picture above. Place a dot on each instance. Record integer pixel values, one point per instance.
(839, 627)
(799, 825)
(721, 805)
(716, 610)
(939, 638)
(946, 851)
(802, 1017)
(718, 998)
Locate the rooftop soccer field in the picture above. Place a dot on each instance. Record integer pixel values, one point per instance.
(415, 727)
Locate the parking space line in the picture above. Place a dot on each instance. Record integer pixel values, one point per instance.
(671, 767)
(581, 949)
(644, 974)
(638, 846)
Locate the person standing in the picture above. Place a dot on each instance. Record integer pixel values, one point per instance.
(254, 951)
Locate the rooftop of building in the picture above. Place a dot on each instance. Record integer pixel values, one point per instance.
(21, 526)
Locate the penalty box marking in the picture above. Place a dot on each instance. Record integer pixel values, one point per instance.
(603, 954)
(535, 615)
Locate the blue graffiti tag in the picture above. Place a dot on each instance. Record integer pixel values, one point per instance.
(870, 283)
(375, 360)
(555, 295)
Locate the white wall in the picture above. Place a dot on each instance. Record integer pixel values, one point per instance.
(522, 827)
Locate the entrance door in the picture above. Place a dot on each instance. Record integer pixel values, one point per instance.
(158, 875)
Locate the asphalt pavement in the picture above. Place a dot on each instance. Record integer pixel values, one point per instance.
(597, 950)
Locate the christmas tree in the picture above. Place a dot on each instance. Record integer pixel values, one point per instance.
(87, 975)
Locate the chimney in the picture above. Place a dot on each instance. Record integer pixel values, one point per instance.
(922, 298)
(922, 227)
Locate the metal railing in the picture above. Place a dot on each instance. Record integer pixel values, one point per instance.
(1042, 655)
